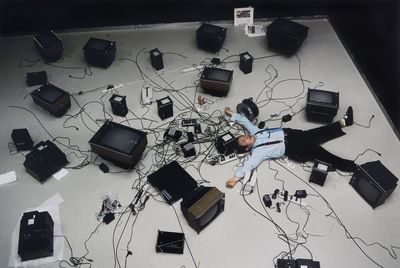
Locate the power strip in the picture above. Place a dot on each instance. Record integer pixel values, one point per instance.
(192, 69)
(292, 199)
(223, 159)
(112, 88)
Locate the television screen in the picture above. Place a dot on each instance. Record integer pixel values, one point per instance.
(219, 75)
(49, 93)
(97, 44)
(208, 216)
(122, 139)
(368, 190)
(320, 96)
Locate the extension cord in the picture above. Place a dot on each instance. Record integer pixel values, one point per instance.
(292, 199)
(112, 88)
(192, 69)
(249, 180)
(147, 95)
(223, 159)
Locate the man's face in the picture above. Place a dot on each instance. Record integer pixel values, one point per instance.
(246, 141)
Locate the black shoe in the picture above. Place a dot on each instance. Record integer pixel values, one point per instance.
(348, 117)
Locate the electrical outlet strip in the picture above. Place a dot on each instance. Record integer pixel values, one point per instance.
(223, 159)
(147, 95)
(249, 180)
(112, 88)
(192, 69)
(299, 201)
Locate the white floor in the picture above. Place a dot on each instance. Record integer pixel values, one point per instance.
(242, 236)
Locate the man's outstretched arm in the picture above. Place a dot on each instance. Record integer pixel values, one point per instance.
(250, 127)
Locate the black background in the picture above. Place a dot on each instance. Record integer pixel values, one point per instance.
(370, 29)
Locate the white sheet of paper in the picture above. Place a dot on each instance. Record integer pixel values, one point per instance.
(254, 30)
(8, 177)
(243, 16)
(61, 174)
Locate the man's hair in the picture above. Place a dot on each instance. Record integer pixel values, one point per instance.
(240, 149)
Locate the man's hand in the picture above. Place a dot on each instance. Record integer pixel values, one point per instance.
(230, 183)
(228, 111)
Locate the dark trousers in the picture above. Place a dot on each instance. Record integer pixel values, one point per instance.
(305, 145)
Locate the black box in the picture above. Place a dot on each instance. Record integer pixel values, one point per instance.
(286, 36)
(226, 143)
(49, 46)
(119, 144)
(216, 81)
(322, 105)
(99, 52)
(118, 105)
(210, 37)
(246, 62)
(44, 160)
(21, 139)
(374, 183)
(188, 149)
(170, 242)
(53, 99)
(165, 107)
(156, 58)
(319, 172)
(36, 78)
(36, 233)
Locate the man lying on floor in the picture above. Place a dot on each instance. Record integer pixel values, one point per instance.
(297, 145)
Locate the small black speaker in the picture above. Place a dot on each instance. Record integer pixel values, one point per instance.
(21, 139)
(286, 36)
(246, 62)
(99, 52)
(156, 58)
(322, 105)
(319, 172)
(118, 105)
(36, 78)
(188, 149)
(165, 107)
(36, 235)
(49, 46)
(44, 160)
(226, 143)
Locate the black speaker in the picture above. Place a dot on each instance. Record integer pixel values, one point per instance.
(99, 52)
(165, 107)
(21, 139)
(248, 109)
(210, 37)
(53, 99)
(319, 172)
(156, 58)
(118, 105)
(44, 160)
(286, 36)
(246, 62)
(374, 183)
(49, 46)
(226, 143)
(36, 78)
(188, 149)
(36, 232)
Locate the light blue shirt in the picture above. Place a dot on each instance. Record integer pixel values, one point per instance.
(259, 154)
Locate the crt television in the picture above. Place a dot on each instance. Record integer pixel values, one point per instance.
(119, 144)
(202, 205)
(322, 105)
(373, 182)
(216, 81)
